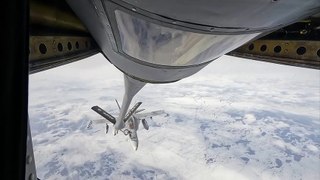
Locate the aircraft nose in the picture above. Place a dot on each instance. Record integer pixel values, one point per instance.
(134, 145)
(134, 140)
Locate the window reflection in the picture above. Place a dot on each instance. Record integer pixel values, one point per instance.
(166, 46)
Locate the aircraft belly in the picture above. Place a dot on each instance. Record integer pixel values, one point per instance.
(97, 24)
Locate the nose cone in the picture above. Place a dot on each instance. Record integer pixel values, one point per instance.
(134, 145)
(134, 140)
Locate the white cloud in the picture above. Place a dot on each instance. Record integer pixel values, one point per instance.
(249, 118)
(232, 120)
(312, 148)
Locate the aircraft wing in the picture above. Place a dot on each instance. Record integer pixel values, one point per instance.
(149, 114)
(99, 121)
(104, 114)
(132, 111)
(96, 121)
(64, 39)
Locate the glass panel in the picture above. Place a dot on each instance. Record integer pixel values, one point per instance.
(157, 44)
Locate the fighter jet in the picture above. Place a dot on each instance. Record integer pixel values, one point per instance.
(131, 121)
(166, 41)
(149, 41)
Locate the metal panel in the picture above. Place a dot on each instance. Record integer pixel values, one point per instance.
(229, 14)
(31, 173)
(46, 52)
(300, 53)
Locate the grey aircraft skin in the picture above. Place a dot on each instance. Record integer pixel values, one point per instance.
(131, 124)
(165, 41)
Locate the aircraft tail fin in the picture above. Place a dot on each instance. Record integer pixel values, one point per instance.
(118, 104)
(131, 111)
(104, 114)
(139, 110)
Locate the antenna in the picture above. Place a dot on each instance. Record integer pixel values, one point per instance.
(117, 103)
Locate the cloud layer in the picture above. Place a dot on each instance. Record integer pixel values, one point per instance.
(235, 119)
